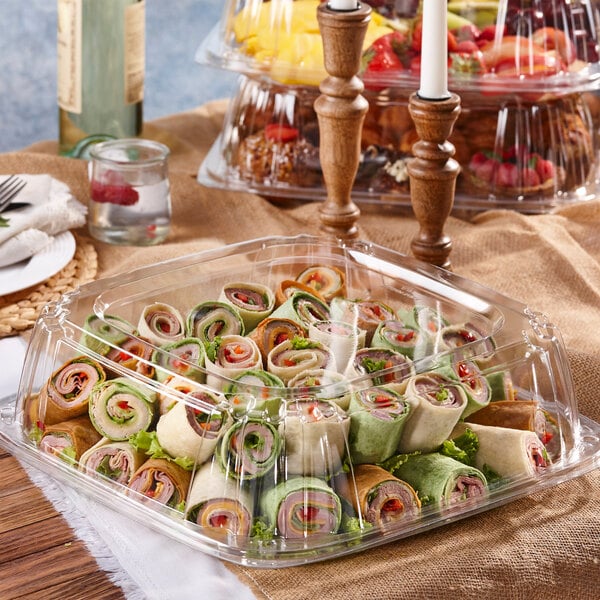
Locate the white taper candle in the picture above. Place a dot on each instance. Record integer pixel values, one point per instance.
(434, 51)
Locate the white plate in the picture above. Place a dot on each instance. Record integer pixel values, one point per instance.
(40, 266)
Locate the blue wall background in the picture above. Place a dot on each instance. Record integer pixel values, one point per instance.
(174, 81)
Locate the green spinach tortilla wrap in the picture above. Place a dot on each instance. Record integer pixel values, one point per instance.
(400, 338)
(292, 357)
(192, 431)
(66, 394)
(437, 404)
(377, 417)
(161, 323)
(162, 481)
(511, 453)
(120, 408)
(104, 332)
(249, 449)
(184, 357)
(315, 434)
(443, 482)
(219, 503)
(377, 496)
(302, 507)
(302, 308)
(209, 320)
(255, 381)
(253, 301)
(116, 461)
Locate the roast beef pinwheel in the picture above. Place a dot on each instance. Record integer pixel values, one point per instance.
(328, 281)
(315, 434)
(104, 332)
(67, 392)
(116, 461)
(191, 430)
(249, 449)
(437, 404)
(253, 301)
(161, 323)
(510, 453)
(378, 416)
(184, 357)
(227, 357)
(302, 507)
(163, 481)
(120, 408)
(443, 482)
(271, 332)
(379, 497)
(69, 439)
(209, 320)
(290, 358)
(218, 503)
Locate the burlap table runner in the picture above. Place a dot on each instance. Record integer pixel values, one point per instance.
(544, 546)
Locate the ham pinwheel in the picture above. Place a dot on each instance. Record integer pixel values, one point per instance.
(300, 354)
(70, 439)
(271, 332)
(163, 481)
(184, 357)
(253, 301)
(227, 357)
(115, 461)
(209, 320)
(328, 281)
(104, 332)
(161, 323)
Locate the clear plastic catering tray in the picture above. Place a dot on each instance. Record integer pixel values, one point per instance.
(283, 401)
(529, 156)
(496, 47)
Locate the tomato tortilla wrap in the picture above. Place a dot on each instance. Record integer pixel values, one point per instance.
(227, 357)
(302, 308)
(116, 461)
(470, 340)
(120, 408)
(249, 449)
(377, 417)
(381, 365)
(443, 482)
(290, 358)
(364, 314)
(302, 507)
(400, 338)
(161, 324)
(184, 357)
(66, 394)
(161, 480)
(343, 339)
(516, 414)
(379, 497)
(253, 301)
(511, 453)
(219, 503)
(134, 354)
(209, 320)
(315, 434)
(476, 386)
(328, 281)
(287, 287)
(437, 404)
(192, 431)
(70, 439)
(105, 332)
(273, 331)
(323, 384)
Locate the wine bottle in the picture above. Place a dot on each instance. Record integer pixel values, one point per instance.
(101, 67)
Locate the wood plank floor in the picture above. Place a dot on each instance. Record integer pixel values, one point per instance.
(40, 556)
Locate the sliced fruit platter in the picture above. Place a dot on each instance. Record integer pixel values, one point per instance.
(282, 401)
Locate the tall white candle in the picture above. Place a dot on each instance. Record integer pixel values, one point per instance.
(434, 51)
(343, 4)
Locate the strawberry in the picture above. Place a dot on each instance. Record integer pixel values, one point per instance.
(114, 193)
(477, 160)
(467, 47)
(380, 61)
(545, 169)
(486, 171)
(488, 33)
(508, 175)
(281, 133)
(530, 177)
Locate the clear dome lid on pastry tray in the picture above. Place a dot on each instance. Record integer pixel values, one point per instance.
(287, 400)
(535, 48)
(529, 156)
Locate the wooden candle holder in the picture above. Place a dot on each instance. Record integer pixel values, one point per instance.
(433, 174)
(341, 110)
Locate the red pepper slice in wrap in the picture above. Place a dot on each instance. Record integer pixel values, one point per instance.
(163, 481)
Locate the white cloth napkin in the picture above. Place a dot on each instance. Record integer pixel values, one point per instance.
(53, 210)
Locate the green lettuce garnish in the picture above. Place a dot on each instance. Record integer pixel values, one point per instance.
(147, 442)
(300, 343)
(395, 462)
(372, 366)
(261, 530)
(212, 348)
(462, 448)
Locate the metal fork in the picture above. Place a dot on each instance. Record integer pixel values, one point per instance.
(9, 189)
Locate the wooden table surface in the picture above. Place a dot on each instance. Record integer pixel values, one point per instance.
(40, 556)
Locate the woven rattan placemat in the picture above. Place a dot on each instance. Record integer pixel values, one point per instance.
(20, 310)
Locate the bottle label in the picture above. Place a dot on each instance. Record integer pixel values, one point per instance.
(69, 55)
(135, 41)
